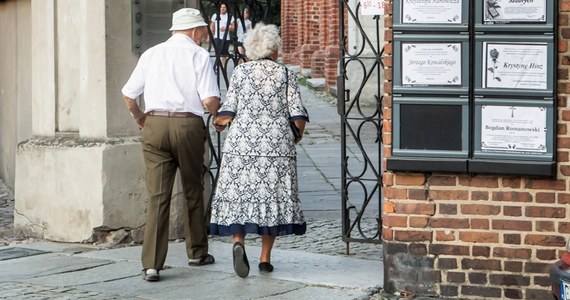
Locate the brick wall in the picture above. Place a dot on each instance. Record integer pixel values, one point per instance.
(476, 236)
(310, 34)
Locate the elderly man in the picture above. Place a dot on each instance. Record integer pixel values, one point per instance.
(178, 81)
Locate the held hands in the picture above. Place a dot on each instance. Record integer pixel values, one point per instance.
(219, 128)
(220, 122)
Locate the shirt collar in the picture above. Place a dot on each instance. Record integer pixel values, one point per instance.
(181, 37)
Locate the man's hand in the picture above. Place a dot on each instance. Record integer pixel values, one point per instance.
(135, 111)
(140, 120)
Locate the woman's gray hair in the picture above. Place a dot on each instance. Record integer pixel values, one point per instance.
(261, 41)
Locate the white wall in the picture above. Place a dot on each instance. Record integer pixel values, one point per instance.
(15, 83)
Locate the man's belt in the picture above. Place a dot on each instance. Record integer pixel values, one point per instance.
(172, 114)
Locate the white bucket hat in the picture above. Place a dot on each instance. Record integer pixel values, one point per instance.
(187, 18)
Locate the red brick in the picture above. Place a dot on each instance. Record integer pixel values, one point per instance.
(447, 209)
(395, 220)
(479, 237)
(481, 264)
(444, 249)
(564, 198)
(479, 195)
(395, 193)
(564, 227)
(480, 224)
(512, 239)
(436, 180)
(546, 254)
(539, 268)
(543, 184)
(445, 235)
(545, 240)
(512, 196)
(410, 179)
(413, 236)
(545, 197)
(512, 253)
(387, 234)
(480, 209)
(484, 251)
(510, 182)
(480, 181)
(418, 222)
(545, 226)
(448, 195)
(417, 194)
(415, 208)
(513, 266)
(545, 212)
(449, 223)
(512, 225)
(512, 211)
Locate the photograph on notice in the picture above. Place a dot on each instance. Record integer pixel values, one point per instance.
(515, 66)
(517, 11)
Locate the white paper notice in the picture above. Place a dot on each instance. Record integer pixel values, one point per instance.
(431, 64)
(432, 11)
(533, 11)
(372, 7)
(513, 129)
(515, 66)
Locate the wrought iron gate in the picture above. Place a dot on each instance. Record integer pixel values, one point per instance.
(359, 104)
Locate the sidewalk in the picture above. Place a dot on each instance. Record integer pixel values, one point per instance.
(78, 271)
(313, 266)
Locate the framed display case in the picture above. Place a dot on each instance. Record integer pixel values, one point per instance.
(430, 15)
(518, 15)
(514, 65)
(431, 127)
(431, 64)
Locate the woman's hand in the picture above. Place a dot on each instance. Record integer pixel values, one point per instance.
(219, 128)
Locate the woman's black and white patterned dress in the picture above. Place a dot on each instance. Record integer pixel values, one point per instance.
(257, 188)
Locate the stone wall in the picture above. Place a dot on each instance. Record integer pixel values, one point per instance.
(475, 237)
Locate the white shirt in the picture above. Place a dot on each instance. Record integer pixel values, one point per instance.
(241, 31)
(223, 22)
(174, 76)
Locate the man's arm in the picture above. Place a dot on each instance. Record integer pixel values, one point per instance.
(212, 104)
(135, 111)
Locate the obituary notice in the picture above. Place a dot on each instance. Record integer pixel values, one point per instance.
(507, 11)
(426, 64)
(515, 66)
(515, 129)
(432, 11)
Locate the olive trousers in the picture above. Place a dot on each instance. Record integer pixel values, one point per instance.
(171, 143)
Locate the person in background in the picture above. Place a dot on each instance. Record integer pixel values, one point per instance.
(222, 25)
(243, 25)
(257, 189)
(178, 81)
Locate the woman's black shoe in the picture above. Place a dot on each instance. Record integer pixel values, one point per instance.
(265, 267)
(241, 265)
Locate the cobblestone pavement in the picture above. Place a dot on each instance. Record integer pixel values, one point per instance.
(6, 215)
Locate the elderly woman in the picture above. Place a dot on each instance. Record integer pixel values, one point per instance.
(257, 187)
